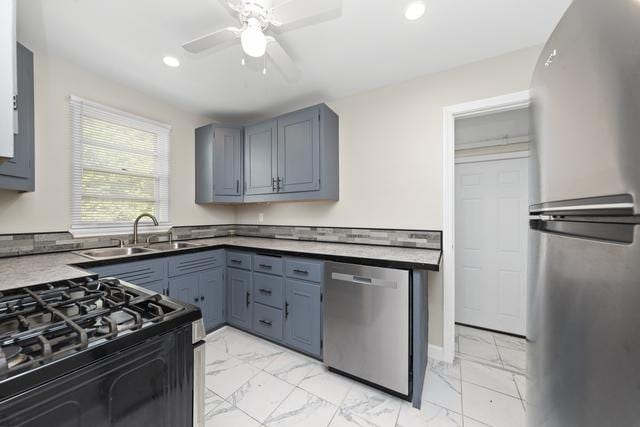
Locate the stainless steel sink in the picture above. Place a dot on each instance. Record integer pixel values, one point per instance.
(114, 252)
(166, 246)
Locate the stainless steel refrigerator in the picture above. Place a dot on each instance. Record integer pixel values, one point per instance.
(583, 351)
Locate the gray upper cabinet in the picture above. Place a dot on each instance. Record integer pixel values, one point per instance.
(17, 173)
(288, 158)
(227, 162)
(261, 158)
(218, 164)
(299, 151)
(306, 158)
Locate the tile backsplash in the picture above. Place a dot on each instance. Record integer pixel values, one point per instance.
(38, 243)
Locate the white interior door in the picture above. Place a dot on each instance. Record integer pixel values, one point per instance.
(491, 244)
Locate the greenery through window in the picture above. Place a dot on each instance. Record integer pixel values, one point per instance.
(120, 167)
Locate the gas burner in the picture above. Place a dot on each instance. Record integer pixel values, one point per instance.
(41, 323)
(14, 355)
(118, 320)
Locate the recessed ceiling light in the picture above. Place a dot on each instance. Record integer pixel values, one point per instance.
(415, 10)
(171, 61)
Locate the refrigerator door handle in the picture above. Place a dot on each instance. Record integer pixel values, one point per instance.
(604, 231)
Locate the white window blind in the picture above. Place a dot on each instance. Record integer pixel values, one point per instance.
(120, 169)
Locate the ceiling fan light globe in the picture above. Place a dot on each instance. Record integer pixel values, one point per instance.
(254, 42)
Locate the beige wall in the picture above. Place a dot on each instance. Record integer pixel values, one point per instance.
(391, 155)
(49, 208)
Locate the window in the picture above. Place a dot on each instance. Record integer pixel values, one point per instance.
(120, 169)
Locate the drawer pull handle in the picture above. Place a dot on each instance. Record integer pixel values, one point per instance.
(266, 266)
(236, 261)
(265, 322)
(265, 291)
(295, 270)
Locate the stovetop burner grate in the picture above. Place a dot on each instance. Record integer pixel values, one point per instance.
(41, 323)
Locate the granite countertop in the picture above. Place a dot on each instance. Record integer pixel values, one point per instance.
(35, 269)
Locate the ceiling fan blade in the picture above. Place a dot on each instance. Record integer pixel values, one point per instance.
(231, 8)
(292, 14)
(217, 38)
(282, 61)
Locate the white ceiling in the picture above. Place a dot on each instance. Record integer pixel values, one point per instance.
(369, 46)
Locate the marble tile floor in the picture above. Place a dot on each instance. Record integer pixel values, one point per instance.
(252, 382)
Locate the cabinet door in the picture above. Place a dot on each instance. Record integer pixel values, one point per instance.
(17, 173)
(239, 298)
(302, 316)
(7, 76)
(204, 164)
(159, 286)
(260, 158)
(211, 291)
(299, 151)
(185, 288)
(227, 161)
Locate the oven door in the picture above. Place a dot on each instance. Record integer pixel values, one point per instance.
(150, 384)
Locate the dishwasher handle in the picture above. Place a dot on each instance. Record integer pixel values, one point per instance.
(362, 280)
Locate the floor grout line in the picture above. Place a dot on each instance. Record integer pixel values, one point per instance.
(282, 352)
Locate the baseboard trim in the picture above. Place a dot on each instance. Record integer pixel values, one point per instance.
(436, 352)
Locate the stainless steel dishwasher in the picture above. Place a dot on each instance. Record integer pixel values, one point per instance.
(366, 324)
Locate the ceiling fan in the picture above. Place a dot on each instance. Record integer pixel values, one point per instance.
(260, 22)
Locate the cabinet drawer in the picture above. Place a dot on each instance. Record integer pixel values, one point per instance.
(267, 264)
(137, 272)
(268, 290)
(305, 270)
(267, 321)
(239, 260)
(189, 263)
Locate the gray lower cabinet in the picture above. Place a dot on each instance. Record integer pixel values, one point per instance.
(150, 274)
(268, 321)
(302, 316)
(278, 298)
(17, 173)
(204, 289)
(239, 300)
(211, 285)
(185, 288)
(159, 286)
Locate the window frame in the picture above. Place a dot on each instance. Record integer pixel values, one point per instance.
(80, 108)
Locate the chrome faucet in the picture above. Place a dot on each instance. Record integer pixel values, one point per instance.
(135, 225)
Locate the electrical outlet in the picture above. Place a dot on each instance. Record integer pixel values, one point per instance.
(261, 217)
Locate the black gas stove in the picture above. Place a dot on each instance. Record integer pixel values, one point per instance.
(97, 343)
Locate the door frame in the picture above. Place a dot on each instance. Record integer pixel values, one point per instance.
(512, 101)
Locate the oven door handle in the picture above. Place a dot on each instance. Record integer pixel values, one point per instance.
(198, 383)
